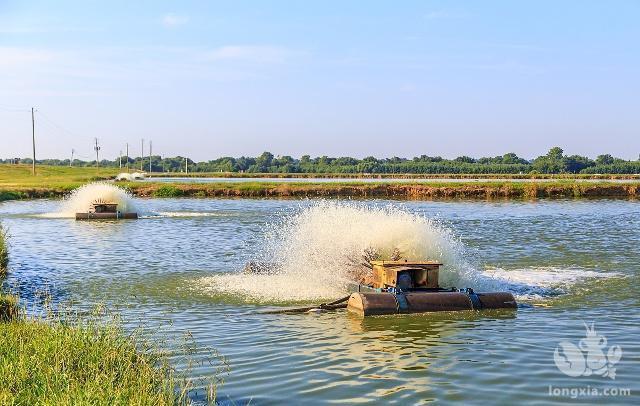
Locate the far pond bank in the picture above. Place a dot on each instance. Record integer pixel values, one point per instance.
(563, 189)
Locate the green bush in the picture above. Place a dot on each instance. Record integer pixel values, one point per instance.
(9, 195)
(168, 191)
(8, 308)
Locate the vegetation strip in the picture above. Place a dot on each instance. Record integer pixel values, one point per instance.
(475, 190)
(554, 162)
(16, 182)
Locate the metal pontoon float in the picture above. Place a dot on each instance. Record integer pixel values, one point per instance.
(413, 287)
(105, 211)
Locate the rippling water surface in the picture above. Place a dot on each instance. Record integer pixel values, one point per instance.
(568, 262)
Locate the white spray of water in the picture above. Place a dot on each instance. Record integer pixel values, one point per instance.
(124, 176)
(80, 200)
(317, 249)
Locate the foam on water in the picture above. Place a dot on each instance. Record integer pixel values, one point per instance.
(538, 283)
(316, 251)
(80, 200)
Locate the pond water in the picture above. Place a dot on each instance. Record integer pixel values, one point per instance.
(179, 269)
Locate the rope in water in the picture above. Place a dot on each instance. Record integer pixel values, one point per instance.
(336, 304)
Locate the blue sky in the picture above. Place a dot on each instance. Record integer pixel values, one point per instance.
(337, 78)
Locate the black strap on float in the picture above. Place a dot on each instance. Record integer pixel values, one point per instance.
(475, 300)
(402, 306)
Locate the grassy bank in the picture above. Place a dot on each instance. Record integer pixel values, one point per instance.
(458, 190)
(59, 177)
(17, 183)
(65, 359)
(475, 190)
(461, 176)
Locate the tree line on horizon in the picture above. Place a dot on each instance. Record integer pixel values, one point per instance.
(554, 162)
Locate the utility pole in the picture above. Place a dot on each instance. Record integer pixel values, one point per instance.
(127, 157)
(97, 148)
(150, 146)
(33, 139)
(120, 159)
(71, 161)
(186, 165)
(142, 156)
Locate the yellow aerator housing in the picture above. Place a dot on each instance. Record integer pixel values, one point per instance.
(419, 274)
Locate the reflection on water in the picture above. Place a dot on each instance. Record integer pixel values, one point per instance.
(582, 255)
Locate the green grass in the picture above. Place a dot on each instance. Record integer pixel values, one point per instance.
(17, 182)
(4, 251)
(8, 308)
(13, 176)
(66, 359)
(167, 191)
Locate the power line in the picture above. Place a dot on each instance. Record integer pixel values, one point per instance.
(58, 126)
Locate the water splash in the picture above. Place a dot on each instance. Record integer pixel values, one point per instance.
(124, 176)
(317, 250)
(79, 200)
(314, 253)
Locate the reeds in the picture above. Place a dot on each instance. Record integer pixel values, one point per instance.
(4, 252)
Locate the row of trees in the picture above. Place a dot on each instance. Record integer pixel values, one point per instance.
(554, 162)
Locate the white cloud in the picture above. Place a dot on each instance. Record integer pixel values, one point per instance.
(171, 20)
(251, 53)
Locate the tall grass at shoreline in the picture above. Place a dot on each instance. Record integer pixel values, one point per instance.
(64, 358)
(4, 251)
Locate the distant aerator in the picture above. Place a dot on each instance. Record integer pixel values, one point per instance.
(101, 210)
